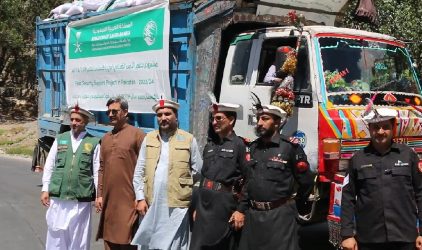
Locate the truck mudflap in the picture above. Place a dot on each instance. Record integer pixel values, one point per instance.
(334, 213)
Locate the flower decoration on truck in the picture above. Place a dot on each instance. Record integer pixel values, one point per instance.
(282, 94)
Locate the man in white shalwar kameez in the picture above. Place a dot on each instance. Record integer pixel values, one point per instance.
(70, 174)
(163, 182)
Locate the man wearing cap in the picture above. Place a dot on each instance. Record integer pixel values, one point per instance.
(116, 196)
(275, 162)
(163, 182)
(383, 190)
(222, 173)
(69, 182)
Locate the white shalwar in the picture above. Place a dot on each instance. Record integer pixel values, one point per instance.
(163, 227)
(68, 222)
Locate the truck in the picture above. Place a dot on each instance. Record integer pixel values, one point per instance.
(216, 47)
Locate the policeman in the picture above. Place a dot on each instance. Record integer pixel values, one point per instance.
(275, 162)
(380, 189)
(224, 165)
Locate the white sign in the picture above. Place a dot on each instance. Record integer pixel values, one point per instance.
(123, 53)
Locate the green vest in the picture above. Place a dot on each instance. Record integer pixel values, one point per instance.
(72, 177)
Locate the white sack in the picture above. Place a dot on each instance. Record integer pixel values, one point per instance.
(102, 7)
(61, 9)
(121, 4)
(93, 5)
(75, 9)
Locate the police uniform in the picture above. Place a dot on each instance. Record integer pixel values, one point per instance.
(380, 190)
(222, 171)
(272, 220)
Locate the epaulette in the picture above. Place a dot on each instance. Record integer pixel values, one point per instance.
(293, 140)
(245, 140)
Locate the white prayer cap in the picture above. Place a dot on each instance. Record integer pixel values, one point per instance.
(379, 115)
(224, 107)
(79, 110)
(271, 109)
(165, 104)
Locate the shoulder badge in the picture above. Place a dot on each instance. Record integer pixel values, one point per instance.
(245, 140)
(290, 139)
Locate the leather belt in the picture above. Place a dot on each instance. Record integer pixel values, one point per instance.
(216, 186)
(266, 206)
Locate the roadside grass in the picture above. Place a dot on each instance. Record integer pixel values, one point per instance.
(17, 130)
(13, 141)
(19, 151)
(7, 142)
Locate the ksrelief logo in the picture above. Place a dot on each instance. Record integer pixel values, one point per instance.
(78, 44)
(150, 32)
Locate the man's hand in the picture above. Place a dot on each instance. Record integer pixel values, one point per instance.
(238, 219)
(194, 215)
(45, 199)
(142, 207)
(99, 204)
(349, 244)
(419, 243)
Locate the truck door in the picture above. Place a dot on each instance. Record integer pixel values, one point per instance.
(236, 79)
(303, 124)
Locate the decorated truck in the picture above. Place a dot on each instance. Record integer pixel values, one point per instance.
(182, 50)
(338, 72)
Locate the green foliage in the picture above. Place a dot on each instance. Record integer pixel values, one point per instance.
(17, 39)
(400, 19)
(20, 151)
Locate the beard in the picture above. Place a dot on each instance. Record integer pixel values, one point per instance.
(265, 133)
(167, 125)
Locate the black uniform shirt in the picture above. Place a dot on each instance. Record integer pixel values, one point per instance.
(273, 169)
(385, 186)
(225, 162)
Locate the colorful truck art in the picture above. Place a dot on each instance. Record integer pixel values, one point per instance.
(348, 124)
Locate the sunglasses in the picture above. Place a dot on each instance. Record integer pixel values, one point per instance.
(112, 111)
(218, 118)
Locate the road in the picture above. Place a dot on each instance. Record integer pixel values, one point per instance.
(22, 216)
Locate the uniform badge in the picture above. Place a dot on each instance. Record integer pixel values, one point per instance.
(63, 142)
(301, 166)
(293, 140)
(62, 147)
(248, 157)
(88, 146)
(420, 167)
(180, 137)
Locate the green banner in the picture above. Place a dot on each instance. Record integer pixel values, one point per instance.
(138, 32)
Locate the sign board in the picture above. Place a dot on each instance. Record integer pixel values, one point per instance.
(313, 10)
(123, 53)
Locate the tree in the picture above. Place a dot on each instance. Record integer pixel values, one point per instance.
(17, 39)
(397, 18)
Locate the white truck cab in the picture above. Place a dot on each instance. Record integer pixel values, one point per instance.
(338, 70)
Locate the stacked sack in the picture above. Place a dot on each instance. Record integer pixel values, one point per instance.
(79, 7)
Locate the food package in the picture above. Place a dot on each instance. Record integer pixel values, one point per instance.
(75, 9)
(121, 4)
(61, 9)
(93, 5)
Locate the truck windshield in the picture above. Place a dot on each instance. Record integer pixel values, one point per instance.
(357, 65)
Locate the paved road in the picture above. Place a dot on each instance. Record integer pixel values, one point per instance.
(22, 217)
